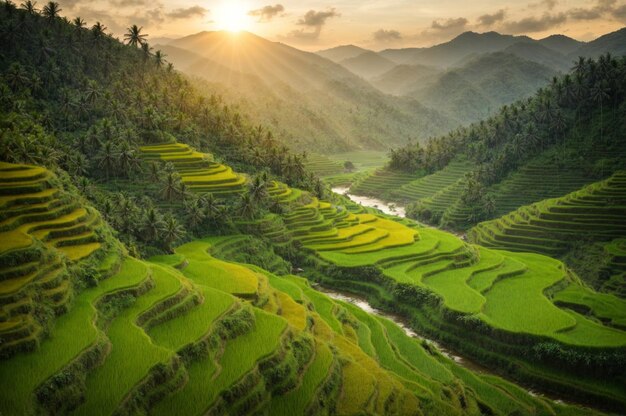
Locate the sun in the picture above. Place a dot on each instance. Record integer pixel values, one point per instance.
(232, 16)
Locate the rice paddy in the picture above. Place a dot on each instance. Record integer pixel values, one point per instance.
(197, 170)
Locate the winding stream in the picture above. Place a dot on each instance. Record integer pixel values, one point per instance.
(362, 303)
(366, 201)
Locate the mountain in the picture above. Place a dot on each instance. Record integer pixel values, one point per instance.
(404, 78)
(401, 56)
(561, 44)
(368, 65)
(311, 102)
(480, 87)
(615, 43)
(450, 53)
(537, 52)
(341, 53)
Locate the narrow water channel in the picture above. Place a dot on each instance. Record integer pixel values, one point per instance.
(362, 303)
(366, 201)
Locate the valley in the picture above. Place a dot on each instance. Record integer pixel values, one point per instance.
(224, 224)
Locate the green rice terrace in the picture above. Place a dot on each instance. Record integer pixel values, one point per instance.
(192, 334)
(551, 226)
(521, 300)
(198, 172)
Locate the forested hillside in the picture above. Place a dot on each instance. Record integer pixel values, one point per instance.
(566, 136)
(74, 98)
(310, 102)
(150, 237)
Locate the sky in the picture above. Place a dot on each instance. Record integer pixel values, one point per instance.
(377, 24)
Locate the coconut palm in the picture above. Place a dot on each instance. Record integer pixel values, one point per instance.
(172, 231)
(171, 188)
(107, 157)
(134, 37)
(159, 59)
(29, 6)
(51, 10)
(152, 225)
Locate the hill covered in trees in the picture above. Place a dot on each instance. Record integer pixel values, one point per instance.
(566, 136)
(148, 236)
(310, 102)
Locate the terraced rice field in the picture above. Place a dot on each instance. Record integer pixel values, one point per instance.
(535, 182)
(427, 186)
(197, 170)
(496, 286)
(42, 231)
(381, 183)
(323, 166)
(597, 212)
(327, 351)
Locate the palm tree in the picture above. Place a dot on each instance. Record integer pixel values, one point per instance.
(152, 225)
(134, 37)
(172, 231)
(92, 92)
(195, 214)
(171, 187)
(98, 32)
(127, 159)
(257, 190)
(599, 93)
(16, 77)
(159, 59)
(29, 6)
(154, 172)
(247, 207)
(51, 10)
(107, 157)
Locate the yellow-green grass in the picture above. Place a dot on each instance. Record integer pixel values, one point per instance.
(504, 289)
(595, 212)
(73, 333)
(206, 270)
(322, 165)
(108, 384)
(410, 350)
(362, 159)
(452, 285)
(381, 182)
(587, 332)
(604, 306)
(517, 303)
(196, 323)
(429, 185)
(239, 357)
(324, 306)
(297, 401)
(388, 357)
(196, 169)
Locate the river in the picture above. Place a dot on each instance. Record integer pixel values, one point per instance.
(366, 201)
(362, 303)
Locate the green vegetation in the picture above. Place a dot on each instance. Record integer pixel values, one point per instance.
(553, 226)
(564, 137)
(219, 324)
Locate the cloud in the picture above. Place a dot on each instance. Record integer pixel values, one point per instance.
(449, 24)
(383, 35)
(602, 9)
(186, 13)
(535, 24)
(491, 19)
(317, 19)
(313, 22)
(267, 13)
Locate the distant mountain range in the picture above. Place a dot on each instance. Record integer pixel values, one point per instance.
(311, 102)
(474, 74)
(349, 97)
